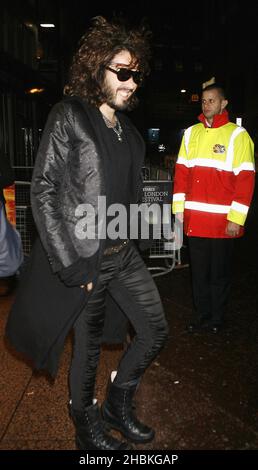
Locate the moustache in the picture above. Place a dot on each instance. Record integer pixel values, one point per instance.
(130, 90)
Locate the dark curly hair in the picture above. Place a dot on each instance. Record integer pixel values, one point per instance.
(97, 47)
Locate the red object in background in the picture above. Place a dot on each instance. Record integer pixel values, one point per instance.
(195, 97)
(9, 195)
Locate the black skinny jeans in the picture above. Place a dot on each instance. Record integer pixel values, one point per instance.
(129, 282)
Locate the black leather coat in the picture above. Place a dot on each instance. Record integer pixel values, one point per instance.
(70, 170)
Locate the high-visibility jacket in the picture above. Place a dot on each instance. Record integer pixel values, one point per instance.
(214, 179)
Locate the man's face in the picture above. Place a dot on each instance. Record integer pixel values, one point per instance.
(212, 103)
(118, 92)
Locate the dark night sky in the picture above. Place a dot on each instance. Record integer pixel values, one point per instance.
(176, 16)
(185, 19)
(213, 25)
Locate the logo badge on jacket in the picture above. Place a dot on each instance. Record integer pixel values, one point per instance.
(219, 148)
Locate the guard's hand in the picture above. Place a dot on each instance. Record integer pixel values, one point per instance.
(87, 287)
(232, 229)
(180, 217)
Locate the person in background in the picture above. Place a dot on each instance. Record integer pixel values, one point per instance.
(6, 175)
(6, 179)
(213, 188)
(89, 149)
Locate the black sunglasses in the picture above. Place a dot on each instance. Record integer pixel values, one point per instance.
(124, 74)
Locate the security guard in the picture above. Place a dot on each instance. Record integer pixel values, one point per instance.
(213, 188)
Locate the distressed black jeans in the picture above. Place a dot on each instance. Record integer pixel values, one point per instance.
(125, 276)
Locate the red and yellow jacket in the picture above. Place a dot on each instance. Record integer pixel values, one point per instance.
(214, 177)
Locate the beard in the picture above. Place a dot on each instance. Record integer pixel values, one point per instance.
(110, 96)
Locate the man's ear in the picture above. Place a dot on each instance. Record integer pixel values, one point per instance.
(224, 104)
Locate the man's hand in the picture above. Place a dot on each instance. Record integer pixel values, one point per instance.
(232, 229)
(87, 287)
(180, 217)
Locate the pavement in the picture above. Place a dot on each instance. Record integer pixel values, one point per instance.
(201, 393)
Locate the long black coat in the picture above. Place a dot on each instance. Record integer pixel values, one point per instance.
(44, 309)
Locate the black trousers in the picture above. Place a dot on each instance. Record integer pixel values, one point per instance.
(211, 267)
(129, 282)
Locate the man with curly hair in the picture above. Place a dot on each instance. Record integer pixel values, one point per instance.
(90, 149)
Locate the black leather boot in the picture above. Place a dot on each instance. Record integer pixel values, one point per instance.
(90, 431)
(117, 412)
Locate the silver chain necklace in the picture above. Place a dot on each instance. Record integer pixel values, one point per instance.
(116, 128)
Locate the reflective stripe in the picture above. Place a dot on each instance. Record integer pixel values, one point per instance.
(239, 207)
(217, 164)
(230, 151)
(183, 161)
(187, 137)
(206, 162)
(179, 197)
(248, 166)
(204, 207)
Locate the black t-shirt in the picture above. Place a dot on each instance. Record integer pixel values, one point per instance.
(118, 172)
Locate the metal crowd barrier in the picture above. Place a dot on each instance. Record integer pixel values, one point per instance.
(162, 255)
(24, 218)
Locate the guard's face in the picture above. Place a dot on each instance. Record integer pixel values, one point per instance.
(212, 103)
(119, 87)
